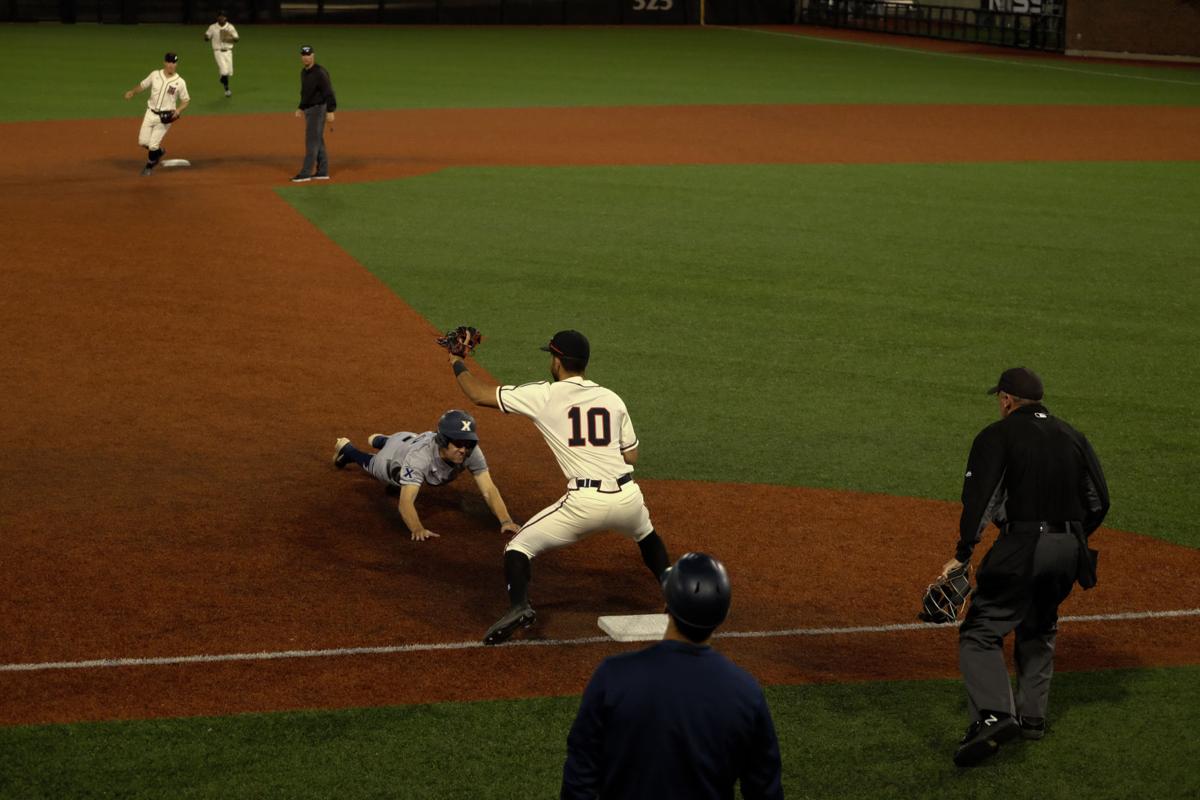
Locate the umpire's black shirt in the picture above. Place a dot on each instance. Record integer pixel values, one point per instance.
(1030, 467)
(675, 720)
(316, 89)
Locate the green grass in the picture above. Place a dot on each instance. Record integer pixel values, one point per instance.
(80, 71)
(831, 326)
(869, 741)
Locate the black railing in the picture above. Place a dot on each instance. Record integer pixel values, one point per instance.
(1045, 31)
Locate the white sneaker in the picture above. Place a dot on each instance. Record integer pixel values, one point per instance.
(228, 93)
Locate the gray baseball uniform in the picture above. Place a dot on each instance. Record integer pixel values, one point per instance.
(411, 459)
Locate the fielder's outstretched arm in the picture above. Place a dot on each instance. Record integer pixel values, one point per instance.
(477, 390)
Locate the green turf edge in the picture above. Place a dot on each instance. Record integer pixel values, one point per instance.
(80, 71)
(824, 325)
(1113, 734)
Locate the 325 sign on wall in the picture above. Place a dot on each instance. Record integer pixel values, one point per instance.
(653, 5)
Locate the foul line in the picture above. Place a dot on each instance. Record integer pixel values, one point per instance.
(935, 53)
(423, 648)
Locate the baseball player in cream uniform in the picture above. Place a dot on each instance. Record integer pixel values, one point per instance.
(589, 431)
(222, 35)
(168, 95)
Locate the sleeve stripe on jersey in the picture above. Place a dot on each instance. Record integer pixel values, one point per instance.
(629, 447)
(500, 399)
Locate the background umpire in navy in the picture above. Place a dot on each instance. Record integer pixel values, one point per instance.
(1039, 480)
(676, 720)
(317, 105)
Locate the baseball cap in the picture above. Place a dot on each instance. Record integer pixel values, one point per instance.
(571, 344)
(1019, 382)
(170, 58)
(306, 50)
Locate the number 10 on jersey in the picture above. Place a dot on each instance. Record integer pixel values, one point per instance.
(599, 427)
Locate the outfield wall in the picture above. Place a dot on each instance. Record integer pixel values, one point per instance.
(399, 12)
(1157, 28)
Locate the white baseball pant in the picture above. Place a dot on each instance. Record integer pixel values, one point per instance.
(581, 512)
(224, 59)
(152, 132)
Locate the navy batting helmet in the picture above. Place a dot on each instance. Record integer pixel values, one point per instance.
(456, 425)
(697, 591)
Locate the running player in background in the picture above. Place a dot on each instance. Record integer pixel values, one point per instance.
(223, 36)
(588, 429)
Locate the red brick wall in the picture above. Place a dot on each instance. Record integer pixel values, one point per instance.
(1151, 27)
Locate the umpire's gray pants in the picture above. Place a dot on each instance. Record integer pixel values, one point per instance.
(314, 142)
(1014, 594)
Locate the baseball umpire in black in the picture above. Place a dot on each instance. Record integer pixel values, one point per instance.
(317, 105)
(676, 720)
(1039, 480)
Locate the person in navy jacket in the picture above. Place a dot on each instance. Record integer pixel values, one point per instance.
(678, 719)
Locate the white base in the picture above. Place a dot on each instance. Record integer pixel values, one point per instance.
(634, 627)
(176, 162)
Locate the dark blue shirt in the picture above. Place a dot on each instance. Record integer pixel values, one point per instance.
(675, 720)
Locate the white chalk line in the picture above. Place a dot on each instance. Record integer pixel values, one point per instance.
(978, 58)
(339, 652)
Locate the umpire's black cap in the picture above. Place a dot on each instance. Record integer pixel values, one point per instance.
(306, 50)
(570, 344)
(1019, 382)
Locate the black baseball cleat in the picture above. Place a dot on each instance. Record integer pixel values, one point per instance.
(521, 616)
(984, 737)
(1033, 727)
(302, 178)
(339, 452)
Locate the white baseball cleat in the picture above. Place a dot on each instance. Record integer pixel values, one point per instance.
(340, 446)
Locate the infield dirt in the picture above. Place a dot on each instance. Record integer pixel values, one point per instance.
(183, 349)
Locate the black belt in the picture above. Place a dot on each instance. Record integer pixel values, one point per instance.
(591, 483)
(1040, 527)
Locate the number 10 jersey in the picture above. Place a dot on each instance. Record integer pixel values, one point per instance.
(587, 426)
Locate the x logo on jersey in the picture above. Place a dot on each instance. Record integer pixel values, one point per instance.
(409, 474)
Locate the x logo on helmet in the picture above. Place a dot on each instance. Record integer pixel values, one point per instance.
(466, 425)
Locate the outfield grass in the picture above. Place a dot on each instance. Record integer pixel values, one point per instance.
(868, 741)
(830, 326)
(80, 71)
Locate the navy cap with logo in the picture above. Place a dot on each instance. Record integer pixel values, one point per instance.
(1019, 382)
(306, 50)
(570, 344)
(170, 58)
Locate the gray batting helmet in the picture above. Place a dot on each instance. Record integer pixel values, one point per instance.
(456, 425)
(697, 591)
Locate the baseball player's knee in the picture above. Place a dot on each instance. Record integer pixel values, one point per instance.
(524, 548)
